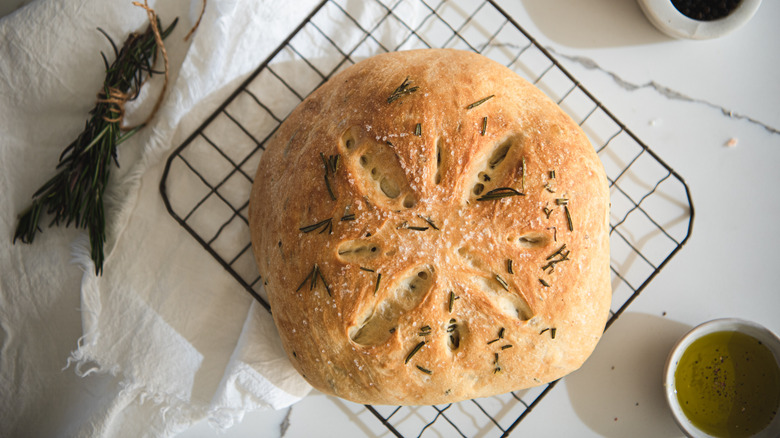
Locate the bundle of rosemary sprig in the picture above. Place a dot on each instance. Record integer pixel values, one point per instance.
(75, 194)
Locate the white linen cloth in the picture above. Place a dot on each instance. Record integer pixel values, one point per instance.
(165, 337)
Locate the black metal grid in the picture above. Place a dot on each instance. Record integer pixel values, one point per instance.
(207, 179)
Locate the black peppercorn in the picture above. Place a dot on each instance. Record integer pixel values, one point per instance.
(706, 10)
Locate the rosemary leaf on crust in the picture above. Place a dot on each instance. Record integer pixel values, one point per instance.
(425, 370)
(305, 280)
(480, 101)
(322, 224)
(429, 221)
(414, 351)
(324, 283)
(499, 193)
(502, 282)
(568, 217)
(451, 301)
(402, 90)
(558, 251)
(327, 163)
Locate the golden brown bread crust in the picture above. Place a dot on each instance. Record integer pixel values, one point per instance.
(396, 289)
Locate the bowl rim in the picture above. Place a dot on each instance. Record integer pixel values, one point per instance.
(766, 336)
(664, 16)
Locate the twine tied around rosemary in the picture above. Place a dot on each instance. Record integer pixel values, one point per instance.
(116, 98)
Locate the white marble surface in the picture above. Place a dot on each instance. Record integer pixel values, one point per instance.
(686, 100)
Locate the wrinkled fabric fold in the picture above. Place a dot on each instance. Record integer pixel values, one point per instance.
(169, 335)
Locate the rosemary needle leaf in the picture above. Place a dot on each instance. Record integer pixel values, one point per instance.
(430, 222)
(425, 370)
(308, 277)
(414, 351)
(328, 168)
(314, 277)
(334, 162)
(113, 45)
(322, 224)
(501, 192)
(480, 102)
(324, 283)
(402, 90)
(330, 189)
(325, 163)
(552, 256)
(502, 282)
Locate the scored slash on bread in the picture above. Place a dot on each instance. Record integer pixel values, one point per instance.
(457, 246)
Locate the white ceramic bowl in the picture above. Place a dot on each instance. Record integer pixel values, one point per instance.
(728, 324)
(663, 15)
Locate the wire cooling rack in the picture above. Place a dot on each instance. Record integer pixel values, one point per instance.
(651, 214)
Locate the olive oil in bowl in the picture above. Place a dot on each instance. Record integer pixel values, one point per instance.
(728, 384)
(722, 379)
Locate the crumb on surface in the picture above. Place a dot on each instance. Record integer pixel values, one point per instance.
(733, 141)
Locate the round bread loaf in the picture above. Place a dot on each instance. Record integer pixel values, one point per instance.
(430, 227)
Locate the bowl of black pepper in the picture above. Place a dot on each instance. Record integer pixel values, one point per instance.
(698, 19)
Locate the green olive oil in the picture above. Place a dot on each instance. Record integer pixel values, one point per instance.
(728, 384)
